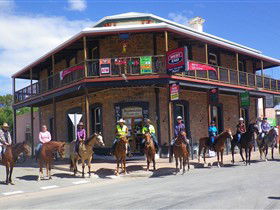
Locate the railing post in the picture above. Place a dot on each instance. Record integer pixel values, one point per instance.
(237, 68)
(270, 85)
(53, 63)
(219, 76)
(206, 53)
(262, 73)
(247, 79)
(31, 82)
(256, 83)
(85, 55)
(228, 75)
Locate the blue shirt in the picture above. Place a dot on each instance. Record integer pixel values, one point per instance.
(178, 128)
(265, 126)
(212, 130)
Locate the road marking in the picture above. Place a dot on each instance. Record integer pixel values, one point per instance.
(12, 193)
(81, 182)
(48, 187)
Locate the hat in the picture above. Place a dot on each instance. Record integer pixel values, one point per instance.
(179, 118)
(121, 120)
(147, 120)
(81, 124)
(213, 122)
(5, 125)
(241, 119)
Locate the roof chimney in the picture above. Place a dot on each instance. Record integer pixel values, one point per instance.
(197, 23)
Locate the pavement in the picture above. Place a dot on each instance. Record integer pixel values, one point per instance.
(231, 186)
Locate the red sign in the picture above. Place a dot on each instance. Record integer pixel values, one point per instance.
(105, 66)
(193, 66)
(69, 71)
(175, 61)
(174, 92)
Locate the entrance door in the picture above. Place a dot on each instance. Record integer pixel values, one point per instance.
(181, 108)
(245, 115)
(217, 116)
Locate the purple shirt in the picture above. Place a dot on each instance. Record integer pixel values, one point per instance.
(178, 128)
(81, 134)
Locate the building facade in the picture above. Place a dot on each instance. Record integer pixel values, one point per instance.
(118, 69)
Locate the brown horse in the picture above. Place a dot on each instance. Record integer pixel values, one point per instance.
(149, 150)
(10, 157)
(269, 140)
(85, 153)
(181, 152)
(219, 145)
(120, 154)
(47, 155)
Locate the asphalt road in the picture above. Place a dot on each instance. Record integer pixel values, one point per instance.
(255, 187)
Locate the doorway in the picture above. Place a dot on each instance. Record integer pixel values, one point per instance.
(217, 116)
(181, 108)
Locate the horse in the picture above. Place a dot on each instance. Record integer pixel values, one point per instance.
(120, 154)
(47, 155)
(181, 152)
(10, 156)
(235, 143)
(219, 145)
(150, 150)
(85, 153)
(269, 140)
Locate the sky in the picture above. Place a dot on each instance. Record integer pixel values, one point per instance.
(31, 28)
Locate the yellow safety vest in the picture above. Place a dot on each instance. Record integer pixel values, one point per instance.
(151, 129)
(121, 130)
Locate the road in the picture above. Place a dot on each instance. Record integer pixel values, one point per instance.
(255, 187)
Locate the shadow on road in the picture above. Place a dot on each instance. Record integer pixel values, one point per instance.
(28, 177)
(161, 172)
(64, 175)
(273, 198)
(104, 172)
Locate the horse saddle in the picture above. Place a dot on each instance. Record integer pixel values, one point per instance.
(82, 147)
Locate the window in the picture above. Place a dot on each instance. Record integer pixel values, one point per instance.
(97, 119)
(242, 65)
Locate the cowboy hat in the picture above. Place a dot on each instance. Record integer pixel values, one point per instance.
(241, 119)
(81, 124)
(121, 120)
(5, 125)
(179, 118)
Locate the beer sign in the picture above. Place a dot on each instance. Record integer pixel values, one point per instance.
(176, 60)
(174, 92)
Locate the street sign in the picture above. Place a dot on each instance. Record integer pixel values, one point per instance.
(174, 92)
(75, 119)
(245, 99)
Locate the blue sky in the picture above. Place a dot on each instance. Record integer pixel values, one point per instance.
(30, 28)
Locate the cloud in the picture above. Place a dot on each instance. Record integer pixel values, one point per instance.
(181, 17)
(28, 37)
(78, 5)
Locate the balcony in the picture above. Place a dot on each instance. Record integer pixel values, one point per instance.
(130, 66)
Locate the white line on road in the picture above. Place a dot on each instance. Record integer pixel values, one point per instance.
(48, 187)
(12, 193)
(81, 182)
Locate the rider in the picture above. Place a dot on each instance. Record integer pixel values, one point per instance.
(179, 128)
(44, 137)
(81, 136)
(5, 138)
(148, 127)
(212, 131)
(265, 127)
(241, 128)
(121, 130)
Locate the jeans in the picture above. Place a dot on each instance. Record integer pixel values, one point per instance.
(1, 151)
(212, 139)
(238, 136)
(38, 149)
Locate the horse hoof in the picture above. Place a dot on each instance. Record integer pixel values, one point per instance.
(50, 178)
(12, 183)
(265, 160)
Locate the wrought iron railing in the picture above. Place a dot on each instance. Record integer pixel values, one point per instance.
(131, 66)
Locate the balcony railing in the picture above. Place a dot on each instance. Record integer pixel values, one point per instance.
(131, 66)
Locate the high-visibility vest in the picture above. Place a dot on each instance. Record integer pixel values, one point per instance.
(150, 129)
(121, 130)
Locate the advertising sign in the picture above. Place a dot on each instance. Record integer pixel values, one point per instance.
(193, 66)
(245, 99)
(105, 66)
(174, 92)
(176, 60)
(64, 73)
(146, 65)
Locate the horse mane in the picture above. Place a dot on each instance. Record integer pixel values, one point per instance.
(222, 134)
(90, 138)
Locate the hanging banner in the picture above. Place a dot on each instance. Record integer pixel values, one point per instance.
(245, 99)
(105, 66)
(269, 101)
(175, 60)
(146, 65)
(64, 73)
(213, 95)
(174, 92)
(193, 66)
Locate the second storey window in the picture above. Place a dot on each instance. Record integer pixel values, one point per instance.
(242, 65)
(97, 118)
(213, 59)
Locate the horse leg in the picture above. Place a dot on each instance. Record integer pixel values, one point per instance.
(246, 153)
(89, 166)
(266, 151)
(10, 177)
(199, 153)
(154, 162)
(188, 161)
(177, 169)
(180, 163)
(184, 165)
(250, 150)
(204, 152)
(222, 154)
(7, 173)
(124, 165)
(50, 169)
(148, 164)
(83, 168)
(241, 154)
(232, 152)
(40, 170)
(272, 152)
(218, 157)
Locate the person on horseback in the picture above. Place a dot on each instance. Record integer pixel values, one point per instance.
(149, 128)
(44, 137)
(179, 128)
(81, 136)
(5, 138)
(212, 131)
(121, 130)
(265, 127)
(240, 129)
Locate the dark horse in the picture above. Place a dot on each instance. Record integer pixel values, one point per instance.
(219, 145)
(247, 142)
(10, 156)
